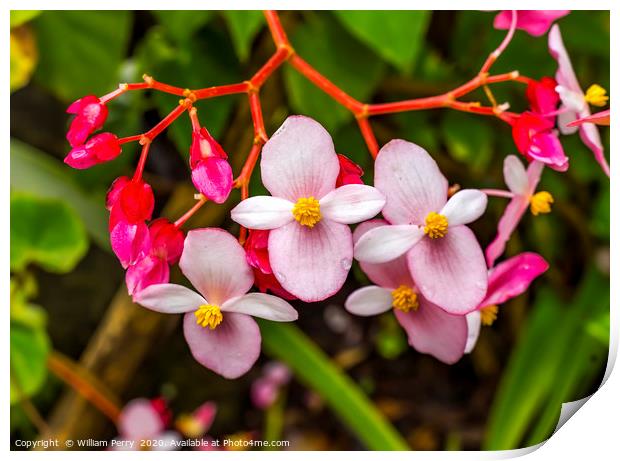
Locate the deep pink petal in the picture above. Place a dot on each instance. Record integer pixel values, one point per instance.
(147, 271)
(599, 118)
(312, 264)
(80, 158)
(512, 277)
(507, 224)
(140, 420)
(592, 139)
(130, 242)
(299, 160)
(534, 22)
(230, 349)
(215, 263)
(546, 148)
(411, 182)
(450, 271)
(433, 331)
(213, 178)
(388, 275)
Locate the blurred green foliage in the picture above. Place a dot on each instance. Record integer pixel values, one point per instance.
(557, 352)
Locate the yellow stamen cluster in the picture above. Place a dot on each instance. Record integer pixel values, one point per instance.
(208, 315)
(405, 299)
(307, 211)
(596, 95)
(541, 202)
(190, 426)
(436, 225)
(488, 315)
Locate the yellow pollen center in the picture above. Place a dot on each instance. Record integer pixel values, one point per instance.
(208, 315)
(596, 95)
(488, 315)
(436, 225)
(541, 202)
(307, 211)
(405, 299)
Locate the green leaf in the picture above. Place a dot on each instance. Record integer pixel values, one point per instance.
(243, 25)
(36, 173)
(469, 139)
(81, 51)
(181, 25)
(555, 361)
(310, 365)
(45, 232)
(19, 17)
(29, 349)
(325, 45)
(397, 36)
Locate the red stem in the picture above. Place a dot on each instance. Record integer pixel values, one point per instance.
(369, 136)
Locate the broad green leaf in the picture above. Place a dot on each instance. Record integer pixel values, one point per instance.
(553, 362)
(81, 51)
(196, 64)
(24, 56)
(19, 17)
(469, 139)
(182, 24)
(46, 232)
(36, 173)
(243, 25)
(325, 45)
(29, 349)
(288, 343)
(397, 36)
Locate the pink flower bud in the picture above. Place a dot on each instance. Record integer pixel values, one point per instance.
(166, 240)
(130, 242)
(136, 201)
(98, 149)
(542, 95)
(90, 115)
(211, 172)
(350, 172)
(147, 271)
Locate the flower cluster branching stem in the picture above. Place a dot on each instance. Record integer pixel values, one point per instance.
(361, 111)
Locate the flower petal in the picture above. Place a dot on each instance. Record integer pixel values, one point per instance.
(299, 160)
(385, 243)
(352, 203)
(140, 420)
(169, 298)
(371, 300)
(130, 242)
(391, 274)
(564, 119)
(261, 305)
(506, 226)
(263, 212)
(147, 271)
(512, 277)
(311, 263)
(450, 271)
(565, 75)
(215, 263)
(515, 175)
(213, 178)
(230, 349)
(473, 330)
(433, 331)
(592, 139)
(465, 206)
(411, 182)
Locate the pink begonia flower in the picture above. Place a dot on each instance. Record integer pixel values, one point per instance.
(166, 246)
(265, 390)
(310, 243)
(350, 172)
(218, 326)
(429, 328)
(522, 184)
(211, 172)
(257, 256)
(131, 203)
(100, 148)
(90, 115)
(534, 22)
(444, 257)
(536, 138)
(575, 104)
(141, 419)
(599, 118)
(506, 281)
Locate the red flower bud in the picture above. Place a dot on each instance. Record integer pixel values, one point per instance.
(166, 240)
(350, 172)
(98, 149)
(536, 139)
(211, 172)
(90, 115)
(136, 201)
(542, 95)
